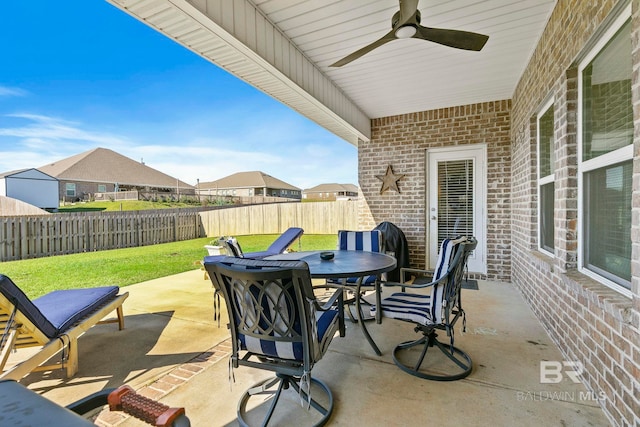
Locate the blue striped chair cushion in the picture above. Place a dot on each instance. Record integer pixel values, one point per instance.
(286, 349)
(418, 308)
(407, 306)
(370, 241)
(235, 248)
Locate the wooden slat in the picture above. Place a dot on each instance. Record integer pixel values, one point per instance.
(314, 218)
(38, 236)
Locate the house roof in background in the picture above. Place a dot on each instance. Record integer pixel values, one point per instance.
(104, 165)
(14, 172)
(332, 188)
(27, 173)
(250, 179)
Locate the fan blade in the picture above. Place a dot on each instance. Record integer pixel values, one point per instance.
(452, 38)
(407, 10)
(360, 52)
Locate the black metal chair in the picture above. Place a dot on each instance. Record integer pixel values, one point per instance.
(438, 310)
(277, 324)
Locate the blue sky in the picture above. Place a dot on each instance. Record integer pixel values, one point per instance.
(81, 74)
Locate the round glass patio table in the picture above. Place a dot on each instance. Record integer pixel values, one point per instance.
(346, 264)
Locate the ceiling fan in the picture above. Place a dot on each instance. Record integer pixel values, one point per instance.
(405, 24)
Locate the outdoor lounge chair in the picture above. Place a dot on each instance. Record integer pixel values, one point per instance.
(277, 324)
(53, 322)
(438, 310)
(24, 407)
(279, 246)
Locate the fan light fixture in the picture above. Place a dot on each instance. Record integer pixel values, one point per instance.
(405, 24)
(405, 32)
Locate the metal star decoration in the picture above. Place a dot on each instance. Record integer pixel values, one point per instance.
(389, 181)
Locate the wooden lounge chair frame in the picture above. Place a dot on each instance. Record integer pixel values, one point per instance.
(20, 332)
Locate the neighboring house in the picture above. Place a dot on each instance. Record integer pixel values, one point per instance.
(330, 192)
(104, 171)
(31, 186)
(249, 184)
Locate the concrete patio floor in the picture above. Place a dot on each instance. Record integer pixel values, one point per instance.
(173, 350)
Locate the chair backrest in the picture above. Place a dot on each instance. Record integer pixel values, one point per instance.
(285, 240)
(14, 302)
(232, 246)
(370, 241)
(271, 310)
(448, 275)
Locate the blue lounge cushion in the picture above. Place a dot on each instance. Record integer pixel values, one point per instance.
(14, 294)
(57, 311)
(285, 240)
(64, 308)
(279, 245)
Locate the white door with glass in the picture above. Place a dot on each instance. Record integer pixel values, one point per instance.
(456, 200)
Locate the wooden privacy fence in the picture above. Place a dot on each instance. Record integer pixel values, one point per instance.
(313, 218)
(37, 236)
(23, 237)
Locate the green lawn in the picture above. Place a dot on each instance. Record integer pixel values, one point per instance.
(124, 267)
(122, 205)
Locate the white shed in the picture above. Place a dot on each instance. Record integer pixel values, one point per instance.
(31, 186)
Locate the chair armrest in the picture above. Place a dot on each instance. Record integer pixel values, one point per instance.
(417, 272)
(336, 299)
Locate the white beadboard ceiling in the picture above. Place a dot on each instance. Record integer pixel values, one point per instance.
(285, 47)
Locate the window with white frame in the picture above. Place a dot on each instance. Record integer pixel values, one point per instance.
(102, 188)
(546, 178)
(605, 157)
(70, 189)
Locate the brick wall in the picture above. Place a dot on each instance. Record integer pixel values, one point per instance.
(83, 189)
(589, 322)
(402, 142)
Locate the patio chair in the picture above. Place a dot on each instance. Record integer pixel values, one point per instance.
(279, 246)
(232, 247)
(278, 325)
(54, 322)
(438, 310)
(371, 241)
